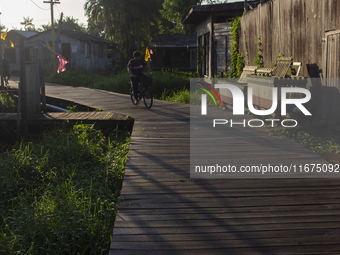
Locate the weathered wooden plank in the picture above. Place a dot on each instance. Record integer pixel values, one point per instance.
(228, 236)
(225, 229)
(234, 201)
(215, 244)
(293, 249)
(226, 215)
(225, 194)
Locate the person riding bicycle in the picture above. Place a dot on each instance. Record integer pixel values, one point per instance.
(135, 68)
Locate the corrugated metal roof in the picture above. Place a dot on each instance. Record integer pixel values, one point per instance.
(196, 13)
(171, 41)
(83, 37)
(26, 34)
(78, 35)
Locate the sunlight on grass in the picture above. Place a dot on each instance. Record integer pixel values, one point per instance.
(59, 195)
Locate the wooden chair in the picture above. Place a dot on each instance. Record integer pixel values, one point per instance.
(299, 65)
(247, 70)
(282, 67)
(265, 71)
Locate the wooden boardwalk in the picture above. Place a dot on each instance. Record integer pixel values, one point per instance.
(166, 212)
(70, 116)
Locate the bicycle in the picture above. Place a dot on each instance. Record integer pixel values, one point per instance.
(145, 93)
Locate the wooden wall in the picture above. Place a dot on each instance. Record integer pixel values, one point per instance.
(308, 31)
(293, 27)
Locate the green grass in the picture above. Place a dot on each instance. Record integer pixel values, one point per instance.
(185, 97)
(178, 96)
(119, 80)
(7, 103)
(59, 194)
(317, 139)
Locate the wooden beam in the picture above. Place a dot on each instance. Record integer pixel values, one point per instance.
(42, 79)
(23, 89)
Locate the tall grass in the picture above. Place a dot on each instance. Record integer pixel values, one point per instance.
(7, 103)
(184, 96)
(178, 96)
(119, 81)
(59, 194)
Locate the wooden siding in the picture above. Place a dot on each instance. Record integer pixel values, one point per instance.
(308, 31)
(78, 58)
(292, 27)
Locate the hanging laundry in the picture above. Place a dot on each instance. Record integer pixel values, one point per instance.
(147, 54)
(62, 63)
(4, 35)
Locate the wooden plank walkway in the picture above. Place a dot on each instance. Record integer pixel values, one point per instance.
(166, 212)
(70, 116)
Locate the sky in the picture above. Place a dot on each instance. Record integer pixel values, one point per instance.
(13, 11)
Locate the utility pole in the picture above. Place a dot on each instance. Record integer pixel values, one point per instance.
(53, 2)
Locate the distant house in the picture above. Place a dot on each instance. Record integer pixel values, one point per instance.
(213, 34)
(13, 53)
(80, 49)
(174, 52)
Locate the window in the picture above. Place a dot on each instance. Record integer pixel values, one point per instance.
(206, 54)
(11, 55)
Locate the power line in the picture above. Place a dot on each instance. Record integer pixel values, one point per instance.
(57, 9)
(39, 6)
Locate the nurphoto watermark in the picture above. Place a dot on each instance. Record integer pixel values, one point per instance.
(230, 125)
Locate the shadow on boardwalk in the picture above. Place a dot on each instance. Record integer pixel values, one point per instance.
(166, 212)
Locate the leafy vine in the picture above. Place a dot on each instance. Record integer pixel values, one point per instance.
(259, 57)
(237, 60)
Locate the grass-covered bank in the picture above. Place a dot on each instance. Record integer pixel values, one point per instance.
(59, 194)
(322, 140)
(164, 82)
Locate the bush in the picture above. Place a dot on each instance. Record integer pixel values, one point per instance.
(7, 103)
(119, 81)
(59, 195)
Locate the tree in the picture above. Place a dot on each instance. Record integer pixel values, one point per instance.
(96, 28)
(28, 24)
(126, 22)
(174, 11)
(68, 23)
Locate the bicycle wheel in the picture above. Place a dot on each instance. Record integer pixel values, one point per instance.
(148, 100)
(133, 99)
